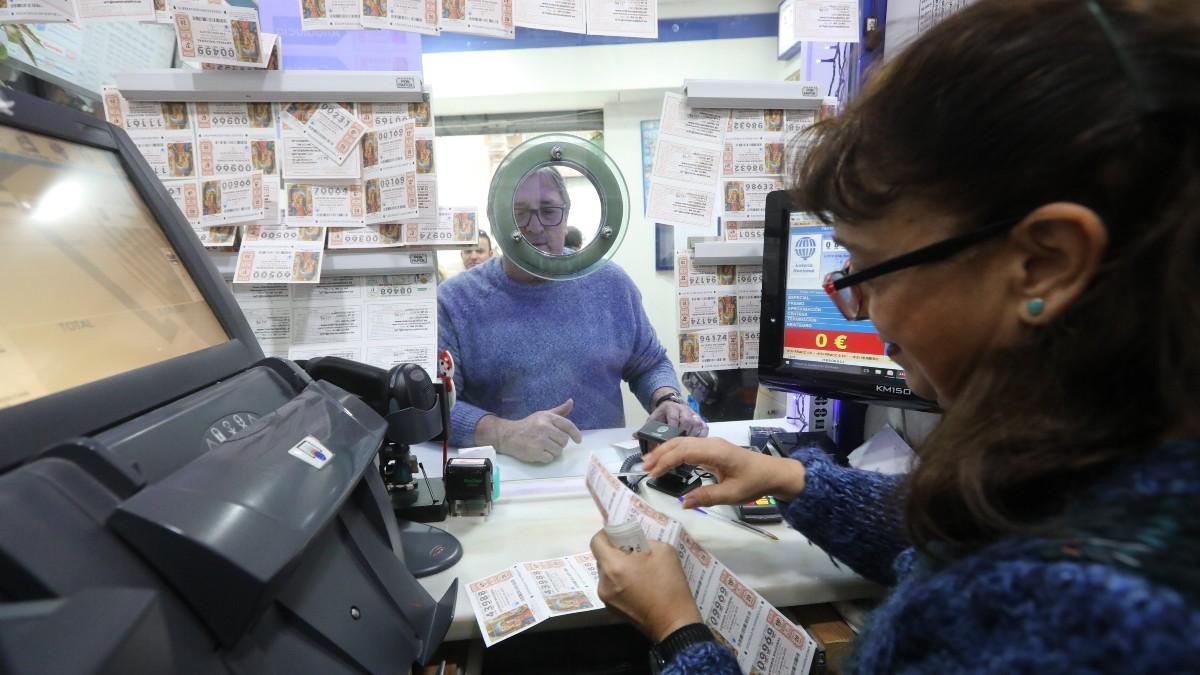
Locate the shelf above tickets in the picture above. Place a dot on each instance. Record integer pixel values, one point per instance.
(728, 253)
(278, 86)
(753, 94)
(352, 263)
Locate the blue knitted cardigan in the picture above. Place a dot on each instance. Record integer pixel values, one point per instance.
(1020, 605)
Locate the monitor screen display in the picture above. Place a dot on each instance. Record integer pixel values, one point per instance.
(89, 285)
(815, 335)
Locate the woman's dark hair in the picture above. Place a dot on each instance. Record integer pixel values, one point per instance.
(1001, 108)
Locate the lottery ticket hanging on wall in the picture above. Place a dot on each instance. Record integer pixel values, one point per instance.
(746, 199)
(280, 255)
(224, 33)
(321, 205)
(162, 132)
(743, 230)
(230, 200)
(455, 226)
(331, 14)
(414, 16)
(372, 236)
(216, 237)
(334, 128)
(272, 56)
(236, 138)
(479, 17)
(390, 173)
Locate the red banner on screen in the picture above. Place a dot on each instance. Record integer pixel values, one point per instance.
(839, 342)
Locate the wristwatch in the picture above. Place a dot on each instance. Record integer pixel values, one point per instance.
(669, 396)
(694, 633)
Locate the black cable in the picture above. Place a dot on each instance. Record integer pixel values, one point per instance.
(627, 465)
(428, 487)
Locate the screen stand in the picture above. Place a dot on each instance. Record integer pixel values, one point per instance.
(427, 549)
(677, 482)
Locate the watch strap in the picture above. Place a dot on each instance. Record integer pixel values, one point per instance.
(669, 396)
(681, 639)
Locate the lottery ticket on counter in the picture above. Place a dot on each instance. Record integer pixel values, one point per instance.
(413, 16)
(216, 237)
(505, 604)
(456, 226)
(372, 236)
(479, 17)
(744, 230)
(272, 56)
(96, 11)
(314, 204)
(280, 255)
(231, 199)
(746, 199)
(687, 165)
(762, 639)
(304, 161)
(217, 32)
(333, 128)
(331, 14)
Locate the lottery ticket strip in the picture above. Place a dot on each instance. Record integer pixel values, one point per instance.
(528, 593)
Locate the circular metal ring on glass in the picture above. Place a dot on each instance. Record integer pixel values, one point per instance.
(588, 159)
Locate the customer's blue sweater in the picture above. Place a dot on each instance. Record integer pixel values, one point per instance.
(523, 347)
(1006, 609)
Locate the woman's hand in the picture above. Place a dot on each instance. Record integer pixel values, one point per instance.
(649, 589)
(743, 474)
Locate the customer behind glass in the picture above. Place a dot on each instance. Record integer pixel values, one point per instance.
(1019, 192)
(478, 254)
(574, 238)
(536, 361)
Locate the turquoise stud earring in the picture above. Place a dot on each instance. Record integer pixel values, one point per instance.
(1036, 306)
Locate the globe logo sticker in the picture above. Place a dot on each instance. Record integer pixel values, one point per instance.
(805, 247)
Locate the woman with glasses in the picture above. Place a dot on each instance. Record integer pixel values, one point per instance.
(1019, 192)
(538, 361)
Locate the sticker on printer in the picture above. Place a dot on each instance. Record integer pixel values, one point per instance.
(312, 452)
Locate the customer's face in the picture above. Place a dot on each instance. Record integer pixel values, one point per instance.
(538, 204)
(478, 255)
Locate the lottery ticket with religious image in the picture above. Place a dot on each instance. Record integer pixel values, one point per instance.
(218, 32)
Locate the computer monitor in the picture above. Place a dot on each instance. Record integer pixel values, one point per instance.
(102, 288)
(806, 345)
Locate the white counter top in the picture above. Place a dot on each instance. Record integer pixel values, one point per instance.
(552, 517)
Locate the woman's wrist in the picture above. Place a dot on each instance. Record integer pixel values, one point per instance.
(660, 632)
(789, 483)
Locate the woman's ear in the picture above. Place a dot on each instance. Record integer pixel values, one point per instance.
(1059, 247)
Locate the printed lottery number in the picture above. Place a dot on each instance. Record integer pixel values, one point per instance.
(215, 51)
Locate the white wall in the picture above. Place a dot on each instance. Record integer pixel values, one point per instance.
(627, 82)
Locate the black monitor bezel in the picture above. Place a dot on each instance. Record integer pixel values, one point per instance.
(31, 427)
(772, 372)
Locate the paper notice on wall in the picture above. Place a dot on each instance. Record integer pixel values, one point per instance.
(687, 165)
(825, 21)
(334, 128)
(909, 19)
(372, 236)
(567, 16)
(217, 32)
(623, 18)
(331, 14)
(114, 10)
(36, 11)
(314, 204)
(280, 255)
(231, 199)
(414, 16)
(479, 17)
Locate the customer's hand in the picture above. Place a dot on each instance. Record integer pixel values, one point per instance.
(680, 416)
(539, 438)
(742, 474)
(649, 589)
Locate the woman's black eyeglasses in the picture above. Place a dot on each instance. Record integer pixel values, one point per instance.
(842, 286)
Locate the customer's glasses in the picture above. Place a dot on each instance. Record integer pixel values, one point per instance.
(548, 216)
(843, 286)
